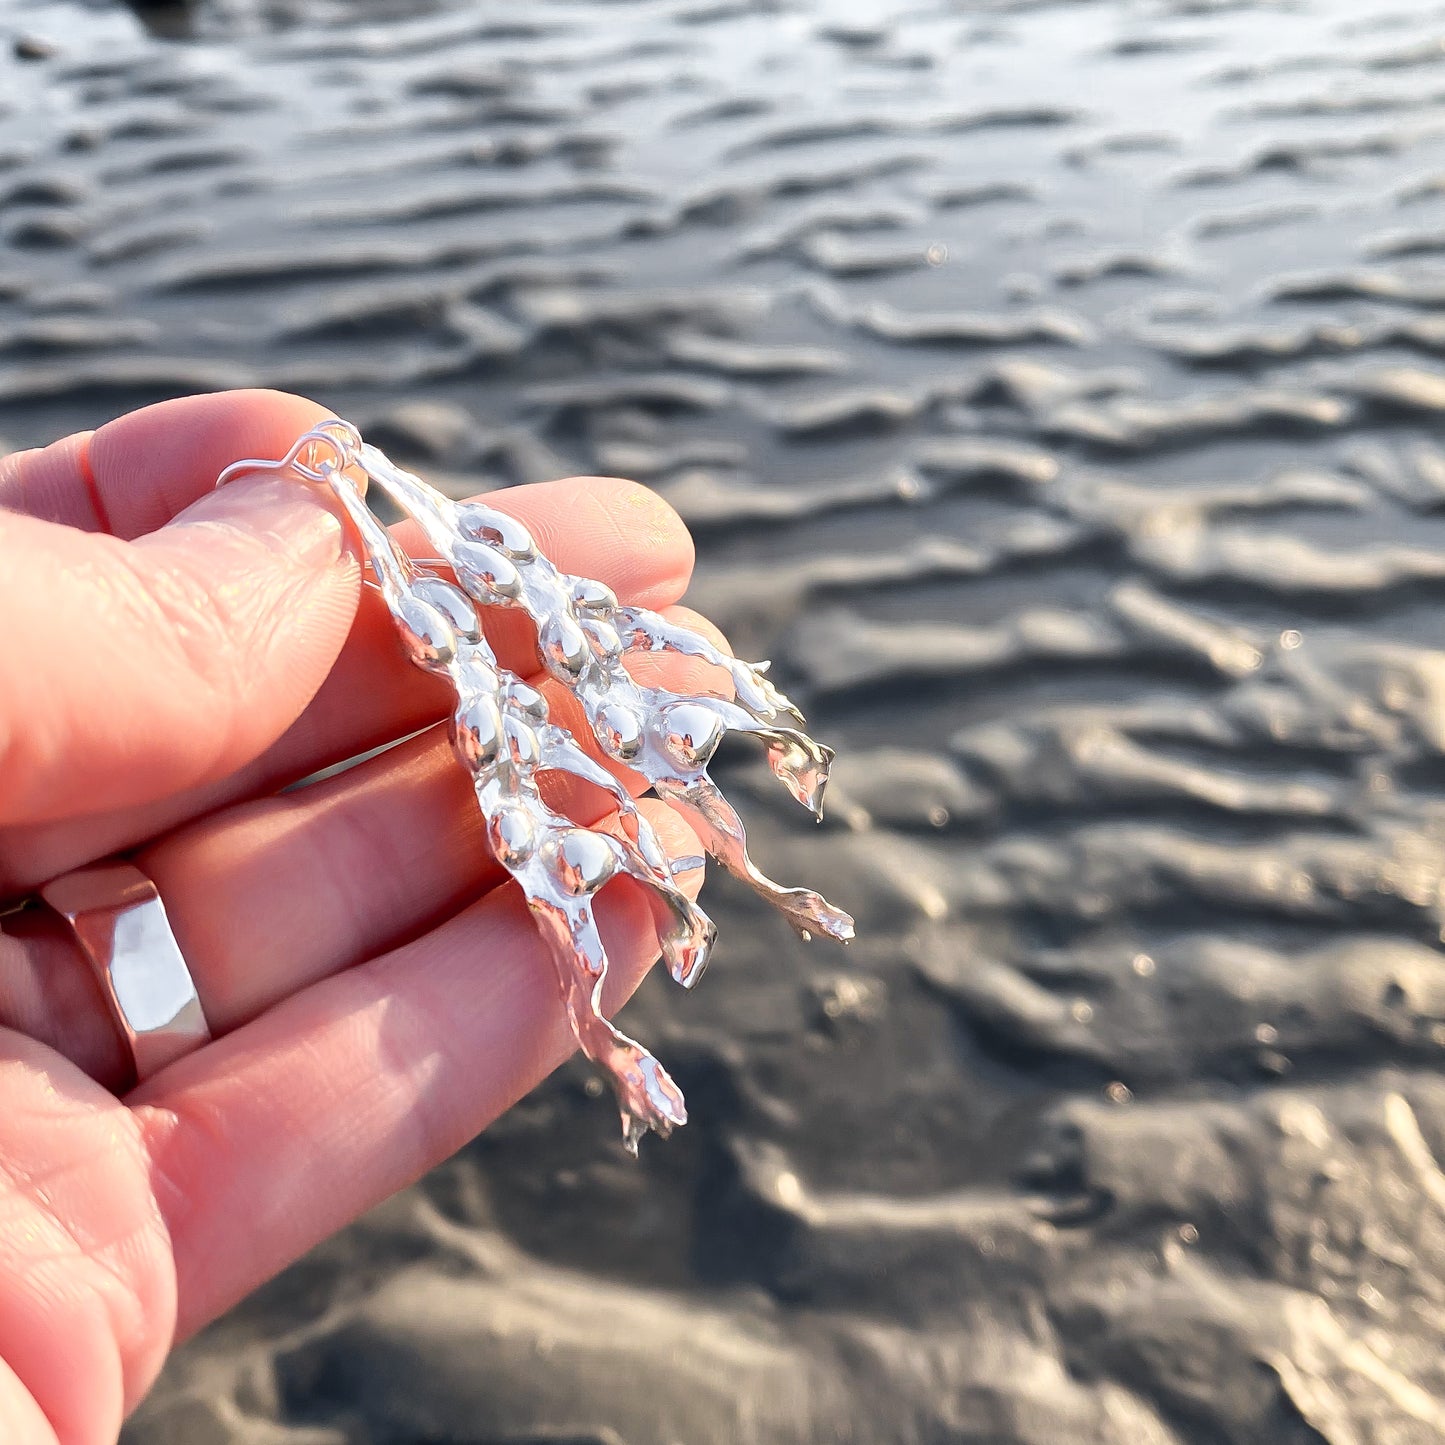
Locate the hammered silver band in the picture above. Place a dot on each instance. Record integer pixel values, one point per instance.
(119, 920)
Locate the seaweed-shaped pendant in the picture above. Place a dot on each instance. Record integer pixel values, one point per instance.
(501, 733)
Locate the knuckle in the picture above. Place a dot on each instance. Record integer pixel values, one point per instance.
(190, 622)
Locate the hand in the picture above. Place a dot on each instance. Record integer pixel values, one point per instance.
(170, 657)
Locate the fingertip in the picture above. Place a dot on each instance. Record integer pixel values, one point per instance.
(151, 464)
(615, 530)
(642, 515)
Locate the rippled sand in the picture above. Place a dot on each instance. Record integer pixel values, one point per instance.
(1054, 392)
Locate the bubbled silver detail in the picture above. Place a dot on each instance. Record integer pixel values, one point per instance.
(502, 734)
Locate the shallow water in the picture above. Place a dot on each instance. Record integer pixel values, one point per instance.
(1053, 391)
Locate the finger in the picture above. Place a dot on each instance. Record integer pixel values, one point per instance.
(88, 1308)
(52, 483)
(272, 1138)
(21, 1418)
(140, 470)
(131, 669)
(373, 695)
(163, 663)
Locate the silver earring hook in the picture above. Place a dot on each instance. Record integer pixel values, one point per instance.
(330, 446)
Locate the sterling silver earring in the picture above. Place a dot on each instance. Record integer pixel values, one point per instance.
(501, 733)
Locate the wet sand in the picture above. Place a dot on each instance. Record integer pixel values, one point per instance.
(1054, 391)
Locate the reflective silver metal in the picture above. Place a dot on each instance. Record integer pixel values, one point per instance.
(118, 918)
(502, 734)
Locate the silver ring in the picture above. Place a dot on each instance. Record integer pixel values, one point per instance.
(118, 919)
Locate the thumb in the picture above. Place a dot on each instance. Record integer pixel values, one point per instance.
(131, 670)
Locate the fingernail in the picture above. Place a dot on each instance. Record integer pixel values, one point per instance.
(288, 516)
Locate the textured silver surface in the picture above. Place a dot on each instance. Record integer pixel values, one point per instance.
(502, 734)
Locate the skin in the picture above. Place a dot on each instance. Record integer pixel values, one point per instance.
(170, 657)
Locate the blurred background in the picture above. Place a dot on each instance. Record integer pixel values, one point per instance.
(1053, 390)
